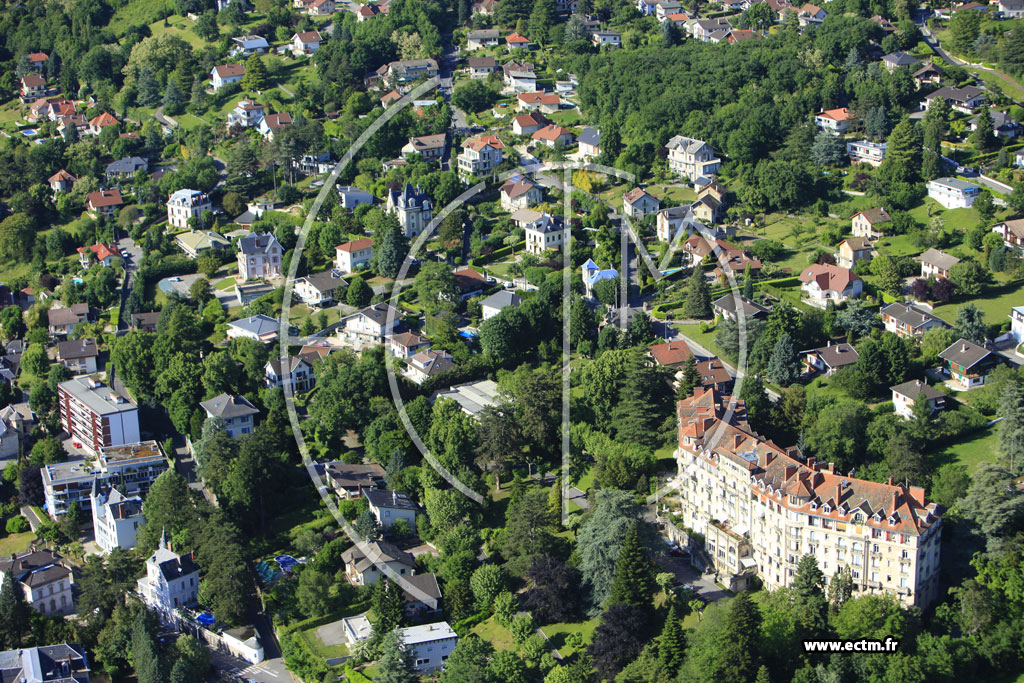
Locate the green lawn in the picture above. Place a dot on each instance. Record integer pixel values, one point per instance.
(138, 13)
(960, 219)
(557, 633)
(494, 633)
(995, 305)
(180, 27)
(976, 449)
(16, 543)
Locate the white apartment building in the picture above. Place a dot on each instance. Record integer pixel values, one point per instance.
(97, 415)
(132, 467)
(44, 580)
(186, 204)
(171, 581)
(413, 208)
(429, 644)
(953, 193)
(352, 255)
(692, 158)
(761, 509)
(116, 518)
(481, 154)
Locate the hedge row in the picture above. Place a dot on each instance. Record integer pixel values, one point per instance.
(466, 625)
(497, 254)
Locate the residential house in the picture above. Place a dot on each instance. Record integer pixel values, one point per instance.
(171, 581)
(44, 579)
(969, 364)
(261, 328)
(79, 355)
(370, 325)
(937, 263)
(553, 136)
(1012, 232)
(349, 481)
(296, 373)
(547, 103)
(271, 123)
(125, 168)
(1016, 324)
(868, 223)
(259, 256)
(144, 322)
(61, 181)
(62, 663)
(966, 99)
(401, 73)
(692, 158)
(305, 43)
(469, 282)
(637, 203)
(972, 7)
(519, 192)
(731, 482)
(349, 197)
(835, 121)
(905, 395)
(485, 7)
(519, 77)
(319, 8)
(366, 12)
(704, 29)
(811, 15)
(353, 255)
(482, 67)
(98, 123)
(673, 354)
(853, 249)
(245, 46)
(670, 222)
(226, 73)
(246, 114)
(37, 61)
(516, 41)
(424, 598)
(472, 397)
(606, 38)
(116, 518)
(238, 414)
(907, 320)
(927, 75)
(103, 202)
(481, 154)
(488, 37)
(592, 274)
(829, 358)
(528, 124)
(714, 375)
(407, 344)
(953, 193)
(589, 141)
(62, 321)
(866, 152)
(430, 147)
(708, 209)
(546, 232)
(1002, 124)
(824, 282)
(362, 560)
(497, 302)
(413, 207)
(388, 507)
(899, 59)
(102, 254)
(726, 307)
(195, 243)
(16, 421)
(429, 645)
(318, 289)
(132, 467)
(184, 205)
(32, 86)
(1011, 9)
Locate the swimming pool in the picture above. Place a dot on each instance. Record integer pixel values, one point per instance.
(30, 132)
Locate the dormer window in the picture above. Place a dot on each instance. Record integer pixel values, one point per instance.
(826, 508)
(814, 506)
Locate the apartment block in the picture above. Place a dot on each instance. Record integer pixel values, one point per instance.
(761, 508)
(96, 415)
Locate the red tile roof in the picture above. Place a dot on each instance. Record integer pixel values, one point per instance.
(103, 120)
(671, 353)
(356, 245)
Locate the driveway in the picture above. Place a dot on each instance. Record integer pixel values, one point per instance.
(704, 584)
(269, 671)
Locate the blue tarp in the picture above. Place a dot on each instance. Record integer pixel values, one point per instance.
(205, 619)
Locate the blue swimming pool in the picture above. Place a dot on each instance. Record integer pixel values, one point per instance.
(30, 131)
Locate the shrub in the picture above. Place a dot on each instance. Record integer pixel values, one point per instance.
(17, 525)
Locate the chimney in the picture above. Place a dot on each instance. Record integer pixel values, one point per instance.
(890, 481)
(832, 467)
(810, 461)
(737, 439)
(895, 499)
(839, 492)
(769, 458)
(963, 348)
(790, 471)
(917, 493)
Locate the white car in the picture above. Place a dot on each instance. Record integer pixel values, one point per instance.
(174, 279)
